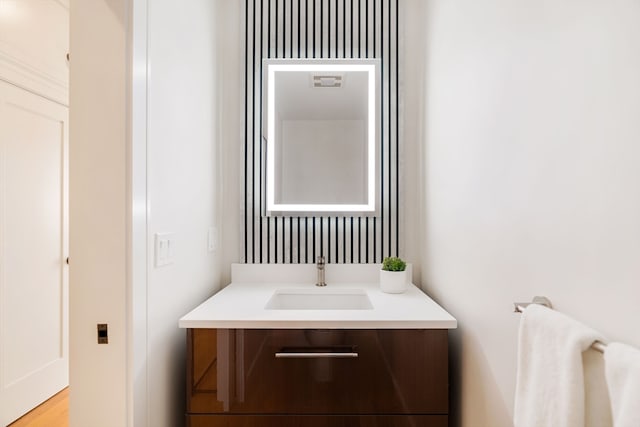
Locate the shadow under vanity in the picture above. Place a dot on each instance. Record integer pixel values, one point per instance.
(248, 365)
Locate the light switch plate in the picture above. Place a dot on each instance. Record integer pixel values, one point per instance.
(164, 249)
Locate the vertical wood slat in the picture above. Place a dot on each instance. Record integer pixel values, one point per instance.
(321, 29)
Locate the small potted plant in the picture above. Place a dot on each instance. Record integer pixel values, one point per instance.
(393, 276)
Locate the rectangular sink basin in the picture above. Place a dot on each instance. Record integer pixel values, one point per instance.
(319, 299)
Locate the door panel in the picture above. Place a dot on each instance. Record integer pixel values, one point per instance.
(33, 249)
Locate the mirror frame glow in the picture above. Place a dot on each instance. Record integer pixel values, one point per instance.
(370, 66)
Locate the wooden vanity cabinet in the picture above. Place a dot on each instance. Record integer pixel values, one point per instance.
(317, 378)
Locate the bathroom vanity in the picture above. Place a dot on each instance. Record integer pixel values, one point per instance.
(271, 349)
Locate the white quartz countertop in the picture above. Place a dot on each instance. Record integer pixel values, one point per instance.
(243, 306)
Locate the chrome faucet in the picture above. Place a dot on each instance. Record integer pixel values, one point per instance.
(320, 265)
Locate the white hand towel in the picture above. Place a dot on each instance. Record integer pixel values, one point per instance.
(549, 382)
(622, 370)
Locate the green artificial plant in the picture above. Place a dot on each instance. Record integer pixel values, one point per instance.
(393, 264)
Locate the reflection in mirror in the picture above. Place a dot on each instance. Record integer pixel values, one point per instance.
(321, 123)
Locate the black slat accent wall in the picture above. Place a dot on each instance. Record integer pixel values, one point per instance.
(321, 29)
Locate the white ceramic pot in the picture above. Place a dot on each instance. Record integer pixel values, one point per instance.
(393, 282)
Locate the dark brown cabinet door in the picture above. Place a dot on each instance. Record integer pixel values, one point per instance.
(318, 372)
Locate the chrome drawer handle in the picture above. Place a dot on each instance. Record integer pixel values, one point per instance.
(314, 355)
(320, 352)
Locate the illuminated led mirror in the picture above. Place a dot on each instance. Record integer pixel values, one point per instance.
(322, 121)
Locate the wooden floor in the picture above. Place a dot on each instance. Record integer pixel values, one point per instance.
(52, 413)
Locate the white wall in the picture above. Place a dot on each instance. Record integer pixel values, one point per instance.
(98, 209)
(153, 149)
(230, 81)
(185, 195)
(529, 152)
(27, 59)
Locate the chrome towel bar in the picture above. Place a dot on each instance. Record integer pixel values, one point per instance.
(520, 306)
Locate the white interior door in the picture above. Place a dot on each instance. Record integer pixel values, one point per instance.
(33, 250)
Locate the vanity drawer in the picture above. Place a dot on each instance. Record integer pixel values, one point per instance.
(314, 372)
(317, 421)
